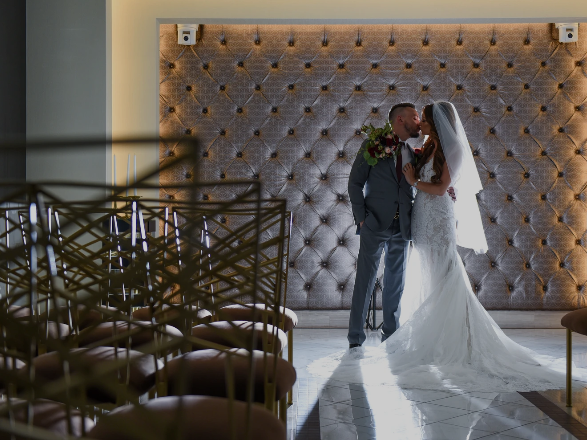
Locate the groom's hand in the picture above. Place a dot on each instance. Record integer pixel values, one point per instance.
(361, 224)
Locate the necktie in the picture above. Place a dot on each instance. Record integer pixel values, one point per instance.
(398, 164)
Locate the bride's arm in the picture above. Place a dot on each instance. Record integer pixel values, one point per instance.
(436, 189)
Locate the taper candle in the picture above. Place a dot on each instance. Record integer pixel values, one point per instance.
(135, 174)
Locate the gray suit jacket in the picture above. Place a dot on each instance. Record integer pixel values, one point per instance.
(382, 197)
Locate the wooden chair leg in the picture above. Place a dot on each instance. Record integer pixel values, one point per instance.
(290, 359)
(569, 368)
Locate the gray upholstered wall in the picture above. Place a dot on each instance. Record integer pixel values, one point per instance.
(282, 104)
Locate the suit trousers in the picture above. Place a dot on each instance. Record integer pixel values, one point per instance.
(396, 258)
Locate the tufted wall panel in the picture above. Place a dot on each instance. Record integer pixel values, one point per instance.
(283, 104)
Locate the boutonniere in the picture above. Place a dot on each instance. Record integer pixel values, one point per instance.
(382, 143)
(417, 154)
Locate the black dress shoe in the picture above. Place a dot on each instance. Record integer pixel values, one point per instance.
(354, 346)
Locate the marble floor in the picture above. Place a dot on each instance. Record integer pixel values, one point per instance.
(333, 410)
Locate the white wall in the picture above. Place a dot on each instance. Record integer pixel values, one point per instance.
(67, 89)
(135, 54)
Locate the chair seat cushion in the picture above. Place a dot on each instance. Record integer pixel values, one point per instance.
(204, 372)
(576, 321)
(253, 312)
(189, 418)
(48, 415)
(141, 333)
(49, 367)
(239, 334)
(171, 314)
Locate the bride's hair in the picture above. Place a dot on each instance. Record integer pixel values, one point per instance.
(428, 148)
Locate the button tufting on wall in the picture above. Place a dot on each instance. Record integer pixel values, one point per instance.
(205, 110)
(188, 175)
(408, 65)
(324, 264)
(492, 130)
(392, 41)
(171, 109)
(274, 65)
(274, 155)
(290, 177)
(223, 176)
(171, 153)
(476, 109)
(510, 108)
(291, 43)
(578, 108)
(256, 132)
(205, 197)
(188, 88)
(442, 65)
(460, 41)
(578, 242)
(424, 88)
(205, 66)
(476, 287)
(493, 87)
(476, 153)
(188, 131)
(341, 65)
(560, 219)
(222, 132)
(528, 266)
(239, 110)
(476, 65)
(526, 130)
(341, 242)
(324, 220)
(425, 41)
(526, 86)
(171, 66)
(510, 197)
(577, 196)
(308, 200)
(308, 286)
(510, 242)
(492, 175)
(308, 65)
(255, 176)
(222, 87)
(324, 87)
(358, 132)
(510, 287)
(527, 219)
(459, 87)
(527, 41)
(561, 174)
(543, 153)
(257, 41)
(340, 198)
(308, 154)
(543, 197)
(391, 87)
(257, 87)
(543, 63)
(374, 65)
(341, 287)
(273, 109)
(324, 132)
(544, 288)
(374, 110)
(561, 129)
(290, 131)
(239, 154)
(324, 177)
(240, 64)
(341, 154)
(492, 220)
(544, 242)
(291, 86)
(561, 85)
(526, 175)
(562, 264)
(324, 43)
(510, 65)
(579, 63)
(205, 154)
(358, 88)
(292, 264)
(543, 108)
(341, 110)
(307, 109)
(493, 264)
(577, 151)
(509, 153)
(307, 242)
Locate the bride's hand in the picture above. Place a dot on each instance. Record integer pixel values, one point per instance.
(409, 173)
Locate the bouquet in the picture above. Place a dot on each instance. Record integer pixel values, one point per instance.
(381, 143)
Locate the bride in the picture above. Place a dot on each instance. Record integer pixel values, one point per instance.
(446, 338)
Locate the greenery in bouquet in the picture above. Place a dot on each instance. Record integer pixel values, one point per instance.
(381, 143)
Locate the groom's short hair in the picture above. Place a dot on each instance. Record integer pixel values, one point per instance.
(397, 108)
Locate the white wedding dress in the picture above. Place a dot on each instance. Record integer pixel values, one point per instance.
(446, 338)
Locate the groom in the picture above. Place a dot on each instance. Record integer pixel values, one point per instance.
(382, 214)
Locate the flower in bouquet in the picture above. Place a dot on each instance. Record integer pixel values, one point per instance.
(382, 143)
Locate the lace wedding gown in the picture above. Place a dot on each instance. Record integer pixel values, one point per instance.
(446, 338)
